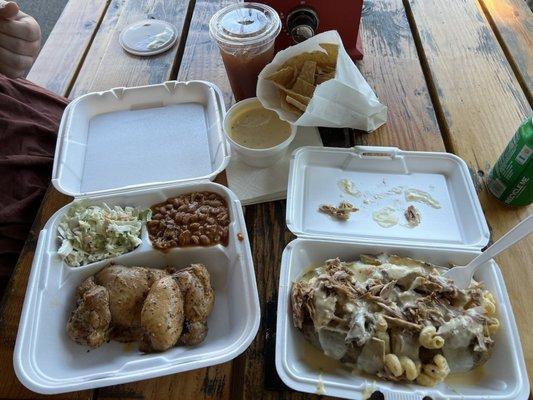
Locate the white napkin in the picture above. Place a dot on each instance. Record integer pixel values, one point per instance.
(259, 185)
(346, 101)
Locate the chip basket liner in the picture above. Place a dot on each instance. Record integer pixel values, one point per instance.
(345, 101)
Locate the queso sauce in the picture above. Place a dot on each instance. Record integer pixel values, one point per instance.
(256, 127)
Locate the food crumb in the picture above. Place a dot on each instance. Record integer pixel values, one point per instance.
(421, 197)
(369, 390)
(341, 212)
(320, 389)
(412, 215)
(240, 236)
(397, 190)
(386, 217)
(348, 187)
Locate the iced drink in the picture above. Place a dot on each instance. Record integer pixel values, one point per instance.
(245, 33)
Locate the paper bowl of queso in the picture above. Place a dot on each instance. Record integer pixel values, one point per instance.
(257, 134)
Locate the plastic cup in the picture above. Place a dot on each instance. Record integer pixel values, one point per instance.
(259, 158)
(245, 34)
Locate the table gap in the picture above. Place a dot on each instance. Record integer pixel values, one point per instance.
(434, 97)
(86, 50)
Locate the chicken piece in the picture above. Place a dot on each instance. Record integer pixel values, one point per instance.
(89, 321)
(127, 287)
(341, 212)
(199, 297)
(162, 315)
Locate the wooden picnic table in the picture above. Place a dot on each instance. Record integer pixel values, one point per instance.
(457, 76)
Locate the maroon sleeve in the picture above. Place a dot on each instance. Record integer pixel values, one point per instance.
(29, 119)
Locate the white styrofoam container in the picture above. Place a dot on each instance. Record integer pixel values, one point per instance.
(138, 147)
(453, 234)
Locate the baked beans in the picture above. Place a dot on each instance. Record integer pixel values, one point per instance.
(192, 219)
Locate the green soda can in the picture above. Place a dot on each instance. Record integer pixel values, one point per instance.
(511, 178)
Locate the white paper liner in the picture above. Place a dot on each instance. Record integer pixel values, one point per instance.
(346, 101)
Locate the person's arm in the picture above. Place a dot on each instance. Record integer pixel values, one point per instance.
(20, 40)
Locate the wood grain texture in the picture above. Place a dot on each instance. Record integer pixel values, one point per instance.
(476, 89)
(392, 68)
(208, 383)
(11, 306)
(64, 51)
(482, 105)
(201, 57)
(512, 21)
(104, 67)
(110, 66)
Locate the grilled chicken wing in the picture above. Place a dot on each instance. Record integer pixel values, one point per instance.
(199, 298)
(157, 307)
(127, 287)
(89, 322)
(162, 316)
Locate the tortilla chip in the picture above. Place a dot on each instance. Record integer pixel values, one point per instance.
(296, 103)
(297, 96)
(324, 70)
(324, 77)
(307, 73)
(297, 62)
(284, 76)
(304, 88)
(332, 49)
(299, 75)
(287, 107)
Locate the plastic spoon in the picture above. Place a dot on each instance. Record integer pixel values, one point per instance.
(462, 275)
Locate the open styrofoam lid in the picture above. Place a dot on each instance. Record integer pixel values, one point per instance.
(140, 136)
(381, 177)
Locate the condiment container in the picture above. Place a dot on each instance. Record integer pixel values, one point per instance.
(136, 146)
(454, 233)
(260, 158)
(245, 34)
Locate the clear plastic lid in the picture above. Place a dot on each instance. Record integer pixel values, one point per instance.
(245, 24)
(148, 37)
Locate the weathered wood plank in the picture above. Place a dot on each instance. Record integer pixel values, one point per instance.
(205, 383)
(512, 21)
(480, 98)
(64, 51)
(201, 57)
(482, 105)
(208, 383)
(105, 66)
(11, 307)
(392, 68)
(255, 376)
(110, 66)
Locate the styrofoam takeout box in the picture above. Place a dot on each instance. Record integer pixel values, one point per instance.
(138, 147)
(454, 233)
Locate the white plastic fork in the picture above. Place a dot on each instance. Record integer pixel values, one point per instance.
(462, 275)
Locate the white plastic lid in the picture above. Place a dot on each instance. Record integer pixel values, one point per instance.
(382, 176)
(148, 37)
(127, 138)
